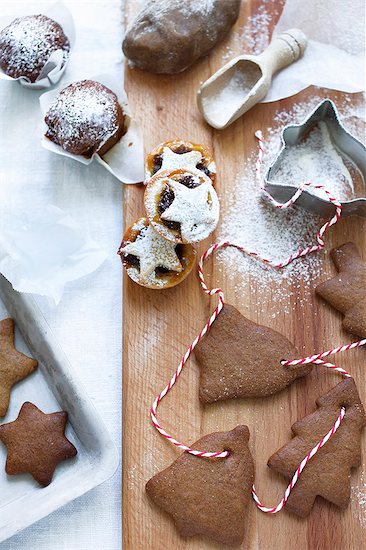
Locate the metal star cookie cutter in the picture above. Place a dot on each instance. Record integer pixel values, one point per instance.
(345, 142)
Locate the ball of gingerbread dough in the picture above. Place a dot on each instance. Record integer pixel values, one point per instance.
(168, 36)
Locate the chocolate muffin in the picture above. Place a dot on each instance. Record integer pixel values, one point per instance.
(27, 43)
(85, 118)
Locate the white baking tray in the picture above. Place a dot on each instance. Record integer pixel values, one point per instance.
(52, 387)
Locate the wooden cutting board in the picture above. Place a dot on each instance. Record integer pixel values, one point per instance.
(158, 327)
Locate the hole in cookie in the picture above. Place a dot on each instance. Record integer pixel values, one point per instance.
(344, 406)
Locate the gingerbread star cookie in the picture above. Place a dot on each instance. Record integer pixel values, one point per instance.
(327, 474)
(346, 292)
(238, 358)
(36, 443)
(14, 366)
(209, 497)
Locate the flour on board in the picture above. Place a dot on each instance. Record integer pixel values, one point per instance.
(249, 219)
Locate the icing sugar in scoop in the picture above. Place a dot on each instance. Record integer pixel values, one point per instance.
(27, 44)
(85, 118)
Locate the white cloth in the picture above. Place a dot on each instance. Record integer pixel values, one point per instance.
(87, 321)
(335, 55)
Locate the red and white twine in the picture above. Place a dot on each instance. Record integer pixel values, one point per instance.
(293, 199)
(300, 468)
(313, 358)
(317, 358)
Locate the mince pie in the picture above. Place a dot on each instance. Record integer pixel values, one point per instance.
(184, 155)
(152, 261)
(182, 205)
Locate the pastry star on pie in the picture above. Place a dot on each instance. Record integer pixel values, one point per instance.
(196, 210)
(36, 443)
(153, 251)
(152, 261)
(181, 155)
(185, 161)
(346, 292)
(14, 366)
(182, 205)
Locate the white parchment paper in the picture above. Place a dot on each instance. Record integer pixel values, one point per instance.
(125, 160)
(40, 253)
(335, 55)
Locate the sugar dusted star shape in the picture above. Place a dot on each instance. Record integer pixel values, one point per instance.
(14, 366)
(36, 443)
(185, 161)
(197, 210)
(153, 251)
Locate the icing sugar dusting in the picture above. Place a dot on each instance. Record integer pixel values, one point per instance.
(84, 110)
(185, 161)
(358, 495)
(252, 221)
(153, 251)
(27, 43)
(188, 8)
(221, 105)
(197, 210)
(254, 36)
(318, 160)
(249, 219)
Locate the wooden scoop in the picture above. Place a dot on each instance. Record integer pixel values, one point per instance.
(246, 79)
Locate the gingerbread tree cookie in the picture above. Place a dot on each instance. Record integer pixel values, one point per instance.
(239, 358)
(327, 474)
(347, 290)
(14, 366)
(209, 496)
(36, 443)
